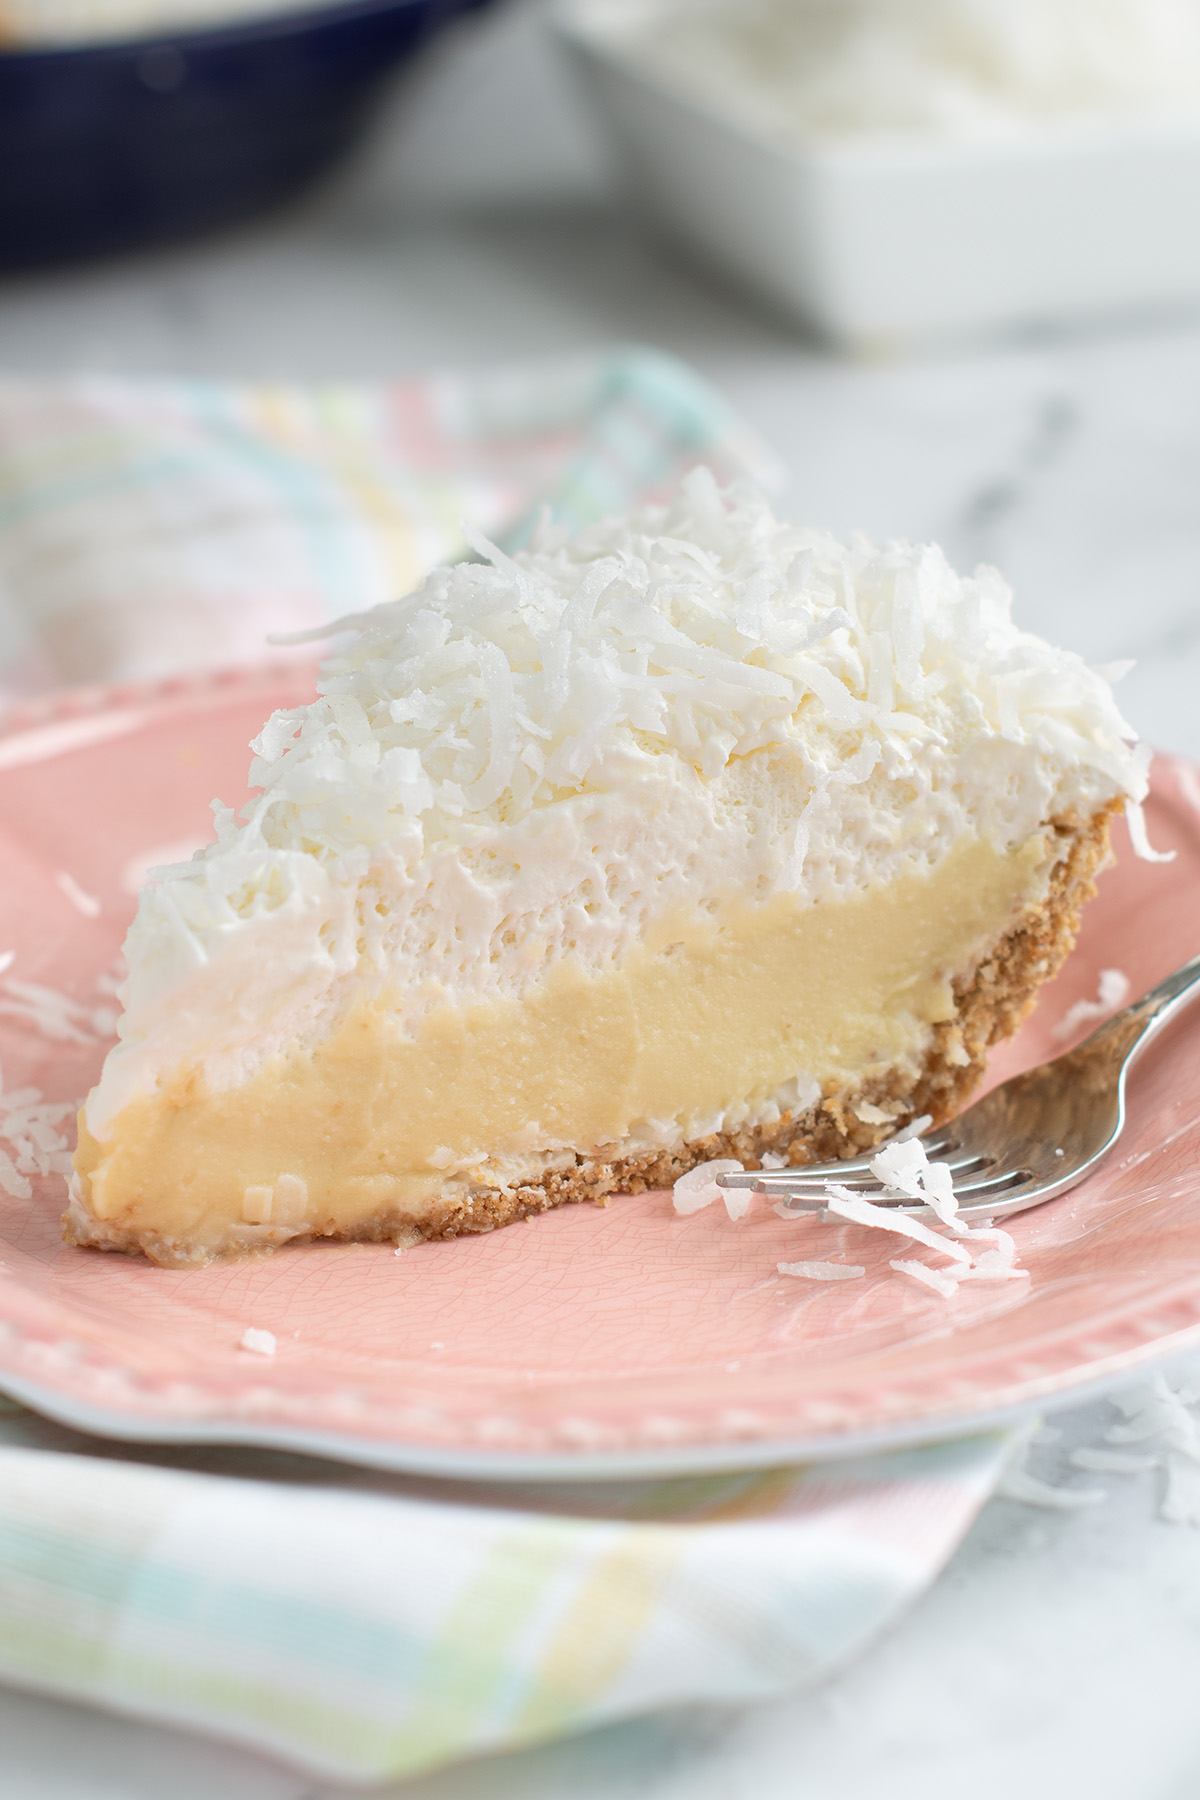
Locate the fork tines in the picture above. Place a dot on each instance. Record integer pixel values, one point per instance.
(940, 1146)
(974, 1176)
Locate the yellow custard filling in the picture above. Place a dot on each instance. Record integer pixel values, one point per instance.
(714, 1012)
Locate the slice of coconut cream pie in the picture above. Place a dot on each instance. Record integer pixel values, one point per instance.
(696, 835)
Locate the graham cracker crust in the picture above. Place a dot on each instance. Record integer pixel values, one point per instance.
(991, 1001)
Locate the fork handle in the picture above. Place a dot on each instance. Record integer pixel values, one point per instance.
(1135, 1025)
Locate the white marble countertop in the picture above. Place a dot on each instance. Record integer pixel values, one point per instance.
(1058, 1654)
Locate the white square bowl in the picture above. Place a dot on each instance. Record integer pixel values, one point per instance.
(879, 244)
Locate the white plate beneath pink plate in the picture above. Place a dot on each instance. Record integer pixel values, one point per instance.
(614, 1341)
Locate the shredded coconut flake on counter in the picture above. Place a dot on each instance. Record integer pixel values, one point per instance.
(1019, 1484)
(1157, 1416)
(1099, 1461)
(1158, 1433)
(262, 1343)
(1113, 993)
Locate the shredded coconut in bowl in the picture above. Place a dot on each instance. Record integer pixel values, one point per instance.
(969, 68)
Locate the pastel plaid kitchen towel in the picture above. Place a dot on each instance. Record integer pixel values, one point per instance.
(362, 1626)
(368, 1628)
(163, 524)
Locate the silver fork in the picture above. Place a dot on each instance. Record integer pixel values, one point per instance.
(1027, 1141)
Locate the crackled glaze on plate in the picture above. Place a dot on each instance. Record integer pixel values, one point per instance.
(593, 1340)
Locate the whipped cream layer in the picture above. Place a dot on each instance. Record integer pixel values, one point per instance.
(537, 761)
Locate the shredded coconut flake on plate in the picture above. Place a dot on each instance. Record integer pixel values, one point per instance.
(1113, 992)
(30, 1128)
(937, 1279)
(975, 1253)
(903, 1166)
(822, 1271)
(56, 1015)
(698, 1189)
(845, 1205)
(80, 899)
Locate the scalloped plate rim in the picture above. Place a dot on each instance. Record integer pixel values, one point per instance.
(429, 1460)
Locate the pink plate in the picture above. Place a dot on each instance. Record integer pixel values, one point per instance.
(617, 1340)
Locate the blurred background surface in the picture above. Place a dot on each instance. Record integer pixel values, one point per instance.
(485, 220)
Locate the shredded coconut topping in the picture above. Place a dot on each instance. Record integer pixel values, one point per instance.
(705, 629)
